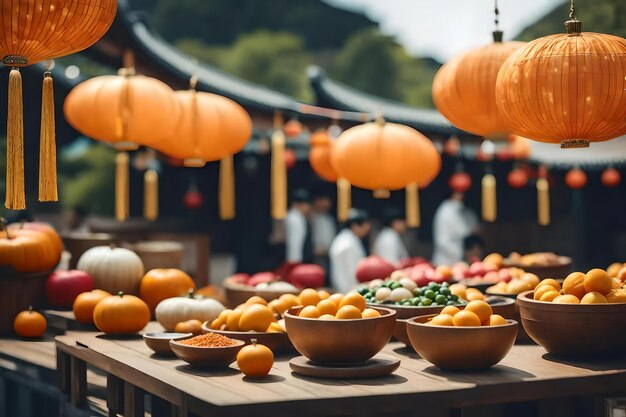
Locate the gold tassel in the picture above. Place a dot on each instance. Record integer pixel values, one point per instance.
(489, 206)
(344, 199)
(279, 171)
(412, 206)
(122, 207)
(15, 197)
(151, 195)
(47, 144)
(227, 189)
(543, 202)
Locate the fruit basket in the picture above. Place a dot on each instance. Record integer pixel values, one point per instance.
(574, 329)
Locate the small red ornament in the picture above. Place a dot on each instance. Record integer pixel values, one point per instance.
(452, 146)
(576, 179)
(292, 128)
(192, 199)
(290, 159)
(517, 178)
(611, 177)
(460, 182)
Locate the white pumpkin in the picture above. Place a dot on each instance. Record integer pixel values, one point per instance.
(112, 269)
(174, 310)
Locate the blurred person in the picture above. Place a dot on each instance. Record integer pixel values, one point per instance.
(388, 244)
(323, 228)
(299, 239)
(473, 249)
(452, 223)
(347, 250)
(77, 220)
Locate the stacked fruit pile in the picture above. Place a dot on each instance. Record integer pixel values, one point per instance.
(525, 282)
(475, 313)
(405, 292)
(594, 287)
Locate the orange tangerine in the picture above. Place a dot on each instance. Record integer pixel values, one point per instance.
(472, 294)
(497, 320)
(593, 298)
(597, 280)
(574, 284)
(465, 318)
(256, 318)
(542, 290)
(616, 296)
(566, 299)
(278, 306)
(274, 328)
(442, 320)
(622, 274)
(232, 322)
(481, 309)
(348, 312)
(327, 317)
(310, 312)
(459, 290)
(451, 310)
(369, 313)
(241, 307)
(616, 284)
(549, 295)
(290, 300)
(551, 282)
(353, 299)
(217, 324)
(323, 294)
(531, 278)
(309, 297)
(327, 307)
(255, 299)
(336, 298)
(613, 269)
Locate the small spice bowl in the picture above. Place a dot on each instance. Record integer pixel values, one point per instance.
(207, 356)
(160, 342)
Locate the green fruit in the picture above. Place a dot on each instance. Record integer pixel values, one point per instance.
(441, 299)
(445, 284)
(416, 301)
(451, 303)
(395, 285)
(445, 291)
(430, 294)
(426, 302)
(363, 290)
(454, 297)
(406, 303)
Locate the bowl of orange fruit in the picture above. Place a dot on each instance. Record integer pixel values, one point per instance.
(468, 338)
(583, 316)
(342, 330)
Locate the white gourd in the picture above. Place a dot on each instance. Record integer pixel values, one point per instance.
(174, 310)
(113, 269)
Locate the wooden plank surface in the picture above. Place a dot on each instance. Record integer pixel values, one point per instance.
(527, 373)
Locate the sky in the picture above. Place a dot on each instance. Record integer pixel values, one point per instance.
(443, 28)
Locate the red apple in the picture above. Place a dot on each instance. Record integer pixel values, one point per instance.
(260, 277)
(62, 287)
(307, 276)
(373, 267)
(477, 268)
(239, 278)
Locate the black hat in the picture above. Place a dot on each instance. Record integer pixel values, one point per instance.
(357, 216)
(391, 214)
(300, 195)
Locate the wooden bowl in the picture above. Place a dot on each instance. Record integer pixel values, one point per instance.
(206, 356)
(277, 342)
(160, 342)
(558, 271)
(501, 305)
(340, 341)
(238, 293)
(574, 329)
(461, 348)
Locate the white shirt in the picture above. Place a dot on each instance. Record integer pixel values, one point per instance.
(345, 253)
(389, 246)
(453, 222)
(323, 231)
(296, 234)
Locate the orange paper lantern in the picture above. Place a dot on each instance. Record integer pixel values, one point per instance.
(319, 155)
(567, 88)
(464, 89)
(33, 31)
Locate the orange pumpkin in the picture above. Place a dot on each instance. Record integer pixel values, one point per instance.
(190, 326)
(568, 88)
(124, 110)
(255, 360)
(121, 314)
(384, 156)
(464, 89)
(46, 229)
(319, 155)
(159, 284)
(29, 324)
(86, 303)
(28, 250)
(210, 128)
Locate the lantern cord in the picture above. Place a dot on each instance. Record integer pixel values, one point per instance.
(151, 195)
(227, 189)
(572, 10)
(47, 143)
(15, 194)
(489, 206)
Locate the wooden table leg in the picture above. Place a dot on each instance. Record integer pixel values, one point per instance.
(78, 382)
(115, 395)
(160, 407)
(133, 401)
(63, 370)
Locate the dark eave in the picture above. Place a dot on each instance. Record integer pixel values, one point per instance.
(334, 94)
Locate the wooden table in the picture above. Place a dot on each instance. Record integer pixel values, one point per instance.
(416, 388)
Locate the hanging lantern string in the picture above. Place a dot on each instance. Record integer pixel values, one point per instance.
(497, 14)
(572, 10)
